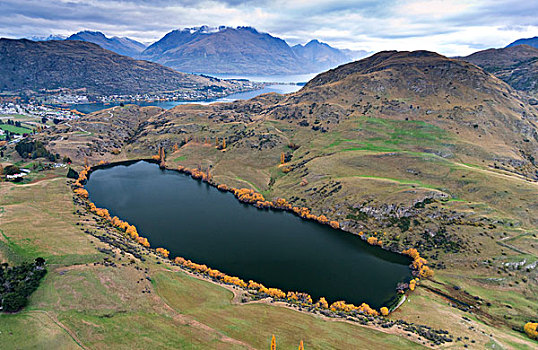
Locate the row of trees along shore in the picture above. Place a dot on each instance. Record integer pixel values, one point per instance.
(245, 195)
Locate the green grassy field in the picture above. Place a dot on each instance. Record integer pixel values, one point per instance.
(15, 129)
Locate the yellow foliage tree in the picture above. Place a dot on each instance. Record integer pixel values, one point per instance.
(412, 284)
(163, 252)
(273, 343)
(322, 303)
(531, 329)
(81, 192)
(372, 240)
(301, 345)
(334, 224)
(384, 311)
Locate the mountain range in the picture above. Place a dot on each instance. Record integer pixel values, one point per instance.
(528, 41)
(241, 50)
(74, 64)
(123, 46)
(224, 50)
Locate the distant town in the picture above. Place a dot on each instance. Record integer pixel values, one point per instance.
(18, 119)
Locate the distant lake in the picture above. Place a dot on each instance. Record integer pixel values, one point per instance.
(196, 221)
(278, 88)
(289, 78)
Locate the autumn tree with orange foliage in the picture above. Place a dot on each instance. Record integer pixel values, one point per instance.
(81, 192)
(163, 252)
(412, 284)
(302, 298)
(175, 147)
(247, 195)
(322, 303)
(384, 311)
(301, 346)
(273, 342)
(531, 329)
(419, 264)
(282, 158)
(363, 308)
(372, 240)
(334, 224)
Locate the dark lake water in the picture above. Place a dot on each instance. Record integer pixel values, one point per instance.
(278, 88)
(276, 248)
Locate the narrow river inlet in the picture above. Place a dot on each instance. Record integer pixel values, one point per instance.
(278, 249)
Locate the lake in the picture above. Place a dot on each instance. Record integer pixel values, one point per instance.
(278, 88)
(284, 78)
(278, 249)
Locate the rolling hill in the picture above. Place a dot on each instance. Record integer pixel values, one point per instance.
(49, 65)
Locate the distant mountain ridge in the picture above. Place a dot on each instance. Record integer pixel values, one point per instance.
(321, 54)
(224, 50)
(47, 38)
(527, 41)
(517, 65)
(122, 46)
(241, 50)
(72, 64)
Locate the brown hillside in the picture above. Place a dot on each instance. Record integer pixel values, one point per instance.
(29, 65)
(516, 65)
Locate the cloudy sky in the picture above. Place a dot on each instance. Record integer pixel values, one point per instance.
(451, 27)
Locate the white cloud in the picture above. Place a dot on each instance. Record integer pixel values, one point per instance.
(455, 27)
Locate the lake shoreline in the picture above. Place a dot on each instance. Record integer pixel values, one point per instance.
(90, 107)
(201, 177)
(376, 321)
